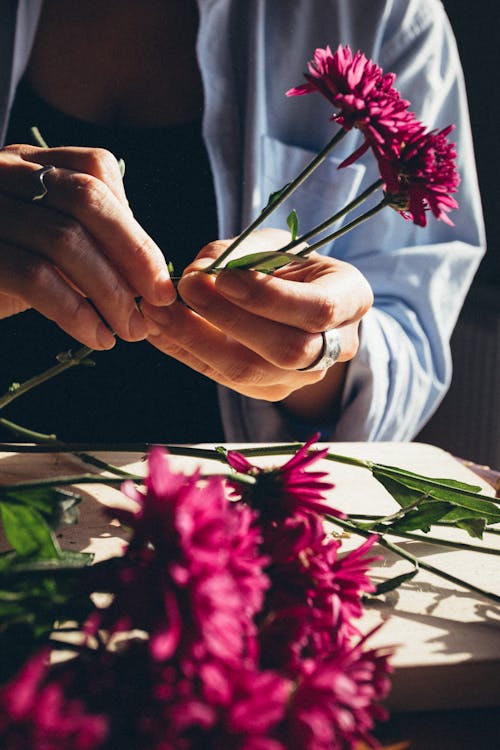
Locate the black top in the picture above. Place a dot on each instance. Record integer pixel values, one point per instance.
(134, 393)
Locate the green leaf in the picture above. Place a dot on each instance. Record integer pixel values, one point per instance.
(473, 523)
(402, 494)
(57, 506)
(423, 518)
(292, 221)
(394, 583)
(407, 485)
(473, 526)
(27, 531)
(457, 485)
(265, 262)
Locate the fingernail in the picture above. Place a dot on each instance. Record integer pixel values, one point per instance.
(137, 326)
(192, 289)
(165, 289)
(105, 336)
(232, 284)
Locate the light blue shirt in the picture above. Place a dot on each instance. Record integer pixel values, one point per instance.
(250, 53)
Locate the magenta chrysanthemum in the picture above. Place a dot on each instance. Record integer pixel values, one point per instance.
(280, 492)
(35, 713)
(337, 700)
(315, 594)
(193, 576)
(363, 94)
(422, 176)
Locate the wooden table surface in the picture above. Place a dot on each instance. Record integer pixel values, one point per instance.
(447, 639)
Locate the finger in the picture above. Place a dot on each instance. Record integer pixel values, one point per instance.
(63, 242)
(183, 334)
(285, 346)
(39, 285)
(314, 296)
(89, 201)
(98, 162)
(10, 305)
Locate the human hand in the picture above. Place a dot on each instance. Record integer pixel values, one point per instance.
(77, 256)
(254, 332)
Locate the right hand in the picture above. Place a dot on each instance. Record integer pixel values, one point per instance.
(78, 256)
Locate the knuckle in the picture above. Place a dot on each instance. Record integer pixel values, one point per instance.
(101, 162)
(245, 373)
(89, 191)
(38, 274)
(323, 316)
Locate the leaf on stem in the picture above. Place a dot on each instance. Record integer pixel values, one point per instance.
(265, 262)
(393, 583)
(292, 221)
(407, 487)
(27, 531)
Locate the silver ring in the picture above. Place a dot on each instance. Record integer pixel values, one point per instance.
(42, 189)
(329, 354)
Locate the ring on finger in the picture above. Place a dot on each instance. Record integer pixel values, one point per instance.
(329, 354)
(41, 190)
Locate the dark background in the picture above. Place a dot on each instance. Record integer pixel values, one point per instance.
(476, 24)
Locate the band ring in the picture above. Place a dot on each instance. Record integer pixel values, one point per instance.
(329, 354)
(42, 188)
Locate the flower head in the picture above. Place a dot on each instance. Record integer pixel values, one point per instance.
(314, 599)
(36, 713)
(193, 575)
(280, 492)
(422, 175)
(363, 94)
(337, 700)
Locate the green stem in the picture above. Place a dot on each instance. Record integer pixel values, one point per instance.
(93, 479)
(355, 528)
(26, 432)
(281, 198)
(60, 446)
(333, 219)
(69, 361)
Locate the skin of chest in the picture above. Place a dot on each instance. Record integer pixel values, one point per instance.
(119, 61)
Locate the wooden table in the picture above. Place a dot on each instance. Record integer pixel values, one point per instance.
(448, 640)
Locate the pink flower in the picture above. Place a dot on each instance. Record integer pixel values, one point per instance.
(314, 599)
(280, 492)
(337, 700)
(363, 94)
(193, 575)
(422, 176)
(35, 713)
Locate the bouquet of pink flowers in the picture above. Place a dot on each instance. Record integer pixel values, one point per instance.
(231, 625)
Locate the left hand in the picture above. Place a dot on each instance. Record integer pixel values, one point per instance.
(253, 332)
